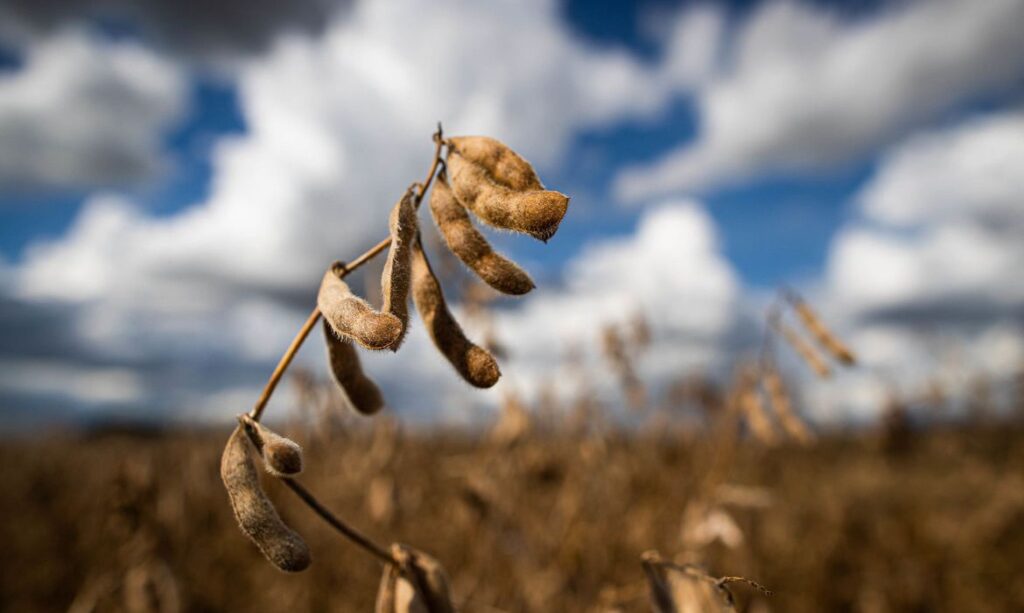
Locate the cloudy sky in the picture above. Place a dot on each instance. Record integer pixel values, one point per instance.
(174, 178)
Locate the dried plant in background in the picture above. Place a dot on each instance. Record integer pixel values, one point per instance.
(686, 588)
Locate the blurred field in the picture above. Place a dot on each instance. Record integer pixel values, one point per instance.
(924, 521)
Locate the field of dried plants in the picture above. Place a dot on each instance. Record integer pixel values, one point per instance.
(888, 520)
(713, 494)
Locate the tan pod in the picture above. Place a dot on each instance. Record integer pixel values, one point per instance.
(476, 365)
(535, 212)
(470, 246)
(352, 317)
(256, 515)
(362, 393)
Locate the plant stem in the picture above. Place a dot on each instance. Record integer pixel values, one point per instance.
(349, 532)
(282, 365)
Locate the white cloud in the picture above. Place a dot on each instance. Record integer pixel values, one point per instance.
(806, 90)
(670, 270)
(927, 281)
(85, 112)
(941, 228)
(90, 385)
(338, 126)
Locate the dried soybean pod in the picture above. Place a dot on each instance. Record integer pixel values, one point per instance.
(362, 393)
(470, 246)
(780, 402)
(474, 364)
(505, 166)
(394, 280)
(427, 578)
(536, 213)
(282, 457)
(805, 351)
(352, 317)
(256, 516)
(829, 341)
(756, 416)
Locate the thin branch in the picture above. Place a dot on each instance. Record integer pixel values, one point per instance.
(282, 365)
(347, 531)
(342, 270)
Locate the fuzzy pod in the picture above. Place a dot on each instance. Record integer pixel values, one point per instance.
(282, 457)
(474, 364)
(829, 341)
(505, 166)
(470, 246)
(352, 317)
(421, 584)
(783, 407)
(394, 281)
(361, 392)
(536, 212)
(804, 350)
(256, 515)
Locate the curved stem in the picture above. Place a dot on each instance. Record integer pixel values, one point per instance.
(349, 532)
(282, 365)
(300, 337)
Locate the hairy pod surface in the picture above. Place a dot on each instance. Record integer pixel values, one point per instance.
(394, 280)
(362, 393)
(505, 166)
(282, 457)
(804, 350)
(537, 213)
(256, 515)
(829, 341)
(422, 584)
(470, 246)
(352, 317)
(472, 362)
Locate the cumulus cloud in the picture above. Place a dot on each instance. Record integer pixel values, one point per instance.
(194, 27)
(927, 279)
(805, 90)
(941, 227)
(338, 125)
(670, 271)
(83, 112)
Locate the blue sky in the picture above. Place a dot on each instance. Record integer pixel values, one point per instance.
(171, 187)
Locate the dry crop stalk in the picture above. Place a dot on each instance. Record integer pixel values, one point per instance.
(829, 341)
(806, 352)
(747, 403)
(414, 583)
(783, 406)
(665, 597)
(236, 471)
(534, 211)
